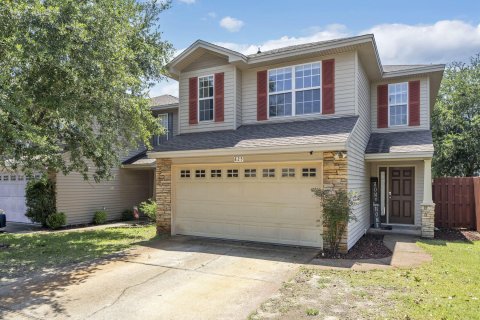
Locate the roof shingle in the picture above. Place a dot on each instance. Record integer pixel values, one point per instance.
(407, 141)
(163, 100)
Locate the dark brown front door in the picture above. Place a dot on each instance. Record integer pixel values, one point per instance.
(401, 195)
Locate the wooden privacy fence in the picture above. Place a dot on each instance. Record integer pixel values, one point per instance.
(457, 202)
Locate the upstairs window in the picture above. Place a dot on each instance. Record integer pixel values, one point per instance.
(205, 98)
(294, 90)
(398, 104)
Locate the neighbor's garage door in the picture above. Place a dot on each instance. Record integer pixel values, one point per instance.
(12, 196)
(267, 203)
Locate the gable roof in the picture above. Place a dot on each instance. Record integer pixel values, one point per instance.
(163, 100)
(267, 135)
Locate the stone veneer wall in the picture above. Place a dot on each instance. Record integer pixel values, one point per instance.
(428, 220)
(163, 195)
(335, 177)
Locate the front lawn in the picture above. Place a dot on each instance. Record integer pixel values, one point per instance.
(447, 288)
(23, 253)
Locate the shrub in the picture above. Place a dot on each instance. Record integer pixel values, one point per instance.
(337, 212)
(40, 200)
(56, 220)
(149, 208)
(127, 215)
(100, 217)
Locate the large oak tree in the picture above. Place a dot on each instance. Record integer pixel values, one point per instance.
(456, 121)
(74, 78)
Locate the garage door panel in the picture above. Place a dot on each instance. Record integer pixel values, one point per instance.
(12, 196)
(279, 210)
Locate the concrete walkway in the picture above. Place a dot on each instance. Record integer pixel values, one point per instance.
(405, 253)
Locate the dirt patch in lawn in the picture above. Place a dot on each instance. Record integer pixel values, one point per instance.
(457, 235)
(368, 247)
(319, 296)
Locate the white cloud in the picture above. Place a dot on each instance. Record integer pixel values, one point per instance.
(187, 1)
(441, 42)
(231, 24)
(165, 87)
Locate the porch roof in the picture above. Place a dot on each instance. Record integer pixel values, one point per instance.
(400, 142)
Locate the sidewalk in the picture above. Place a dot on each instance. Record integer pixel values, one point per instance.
(405, 253)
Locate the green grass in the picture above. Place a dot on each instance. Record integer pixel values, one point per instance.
(447, 288)
(39, 251)
(312, 312)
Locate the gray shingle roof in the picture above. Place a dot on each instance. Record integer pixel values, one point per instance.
(294, 133)
(165, 99)
(407, 141)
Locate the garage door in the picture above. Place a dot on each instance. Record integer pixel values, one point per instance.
(12, 196)
(266, 203)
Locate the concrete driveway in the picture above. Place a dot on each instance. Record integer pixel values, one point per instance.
(178, 278)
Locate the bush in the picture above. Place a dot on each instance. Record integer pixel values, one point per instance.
(100, 217)
(56, 220)
(40, 200)
(149, 208)
(127, 215)
(337, 211)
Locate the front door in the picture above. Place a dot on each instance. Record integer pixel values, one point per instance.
(401, 195)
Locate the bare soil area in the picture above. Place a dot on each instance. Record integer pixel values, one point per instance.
(368, 247)
(457, 235)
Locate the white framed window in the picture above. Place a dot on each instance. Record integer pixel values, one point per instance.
(205, 98)
(216, 173)
(250, 173)
(232, 173)
(294, 90)
(163, 120)
(200, 173)
(185, 174)
(397, 104)
(268, 173)
(288, 172)
(309, 172)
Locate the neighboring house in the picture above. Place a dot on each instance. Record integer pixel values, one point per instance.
(254, 134)
(79, 199)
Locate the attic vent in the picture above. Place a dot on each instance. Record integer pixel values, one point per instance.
(259, 51)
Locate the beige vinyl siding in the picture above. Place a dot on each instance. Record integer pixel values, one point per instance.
(424, 106)
(419, 170)
(238, 97)
(229, 114)
(79, 199)
(358, 169)
(344, 87)
(207, 60)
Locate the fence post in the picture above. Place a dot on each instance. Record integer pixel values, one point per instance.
(476, 193)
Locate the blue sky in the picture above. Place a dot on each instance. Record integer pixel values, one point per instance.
(406, 31)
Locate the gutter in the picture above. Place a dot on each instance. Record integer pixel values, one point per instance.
(419, 155)
(414, 71)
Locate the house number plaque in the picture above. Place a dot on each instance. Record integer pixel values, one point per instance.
(238, 159)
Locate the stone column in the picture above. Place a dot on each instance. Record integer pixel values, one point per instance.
(427, 206)
(335, 177)
(163, 195)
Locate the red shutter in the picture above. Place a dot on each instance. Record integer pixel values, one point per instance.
(382, 106)
(219, 97)
(262, 95)
(328, 86)
(414, 103)
(192, 100)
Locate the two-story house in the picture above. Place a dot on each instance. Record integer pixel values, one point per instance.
(254, 135)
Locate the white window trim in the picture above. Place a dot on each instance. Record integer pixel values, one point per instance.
(212, 97)
(408, 106)
(293, 91)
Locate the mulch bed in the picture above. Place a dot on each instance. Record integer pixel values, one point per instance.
(368, 247)
(457, 235)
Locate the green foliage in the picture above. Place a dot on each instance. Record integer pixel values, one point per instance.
(127, 215)
(337, 212)
(149, 208)
(312, 312)
(74, 80)
(100, 217)
(456, 121)
(56, 220)
(40, 200)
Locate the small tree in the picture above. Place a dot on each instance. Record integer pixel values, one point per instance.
(40, 200)
(149, 208)
(337, 212)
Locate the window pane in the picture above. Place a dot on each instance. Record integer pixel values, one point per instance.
(307, 101)
(280, 105)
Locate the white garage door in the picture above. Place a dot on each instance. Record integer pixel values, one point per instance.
(12, 196)
(266, 203)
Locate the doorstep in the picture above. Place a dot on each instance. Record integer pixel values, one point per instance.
(385, 229)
